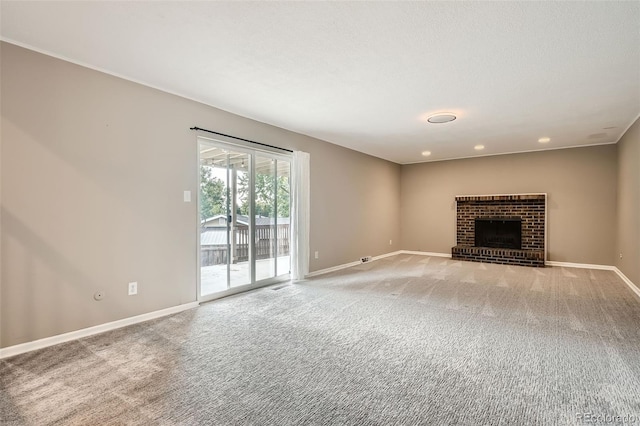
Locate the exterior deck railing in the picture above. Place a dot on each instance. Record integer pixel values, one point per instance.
(271, 241)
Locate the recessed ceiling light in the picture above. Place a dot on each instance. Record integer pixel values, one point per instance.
(441, 117)
(544, 140)
(478, 147)
(426, 153)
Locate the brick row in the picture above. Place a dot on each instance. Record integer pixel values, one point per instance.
(502, 256)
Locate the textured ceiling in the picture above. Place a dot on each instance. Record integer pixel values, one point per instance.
(366, 74)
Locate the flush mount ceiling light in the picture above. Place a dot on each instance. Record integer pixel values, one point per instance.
(478, 147)
(544, 140)
(426, 153)
(441, 117)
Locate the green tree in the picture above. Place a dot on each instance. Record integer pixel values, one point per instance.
(284, 196)
(264, 189)
(213, 194)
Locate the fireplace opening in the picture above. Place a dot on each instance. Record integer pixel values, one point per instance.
(499, 233)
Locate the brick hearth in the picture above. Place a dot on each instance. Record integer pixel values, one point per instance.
(531, 208)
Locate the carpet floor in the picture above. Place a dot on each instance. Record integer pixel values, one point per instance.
(405, 340)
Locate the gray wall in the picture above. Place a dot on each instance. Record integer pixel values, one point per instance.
(628, 241)
(93, 169)
(581, 188)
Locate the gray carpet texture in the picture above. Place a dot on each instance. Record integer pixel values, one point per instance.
(405, 340)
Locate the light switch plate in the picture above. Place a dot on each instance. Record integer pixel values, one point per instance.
(187, 196)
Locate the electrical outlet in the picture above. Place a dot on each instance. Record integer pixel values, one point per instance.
(620, 255)
(317, 255)
(133, 288)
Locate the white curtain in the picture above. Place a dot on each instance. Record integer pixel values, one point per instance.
(300, 215)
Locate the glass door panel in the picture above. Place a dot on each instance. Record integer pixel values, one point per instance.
(214, 247)
(239, 214)
(265, 211)
(283, 191)
(224, 231)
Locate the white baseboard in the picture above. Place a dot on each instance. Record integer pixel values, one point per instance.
(627, 281)
(579, 265)
(90, 331)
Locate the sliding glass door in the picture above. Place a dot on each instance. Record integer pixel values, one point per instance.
(243, 218)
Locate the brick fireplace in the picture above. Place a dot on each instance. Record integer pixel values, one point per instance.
(500, 217)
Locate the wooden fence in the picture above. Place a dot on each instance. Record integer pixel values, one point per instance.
(266, 242)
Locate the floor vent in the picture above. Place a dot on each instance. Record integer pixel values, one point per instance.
(280, 287)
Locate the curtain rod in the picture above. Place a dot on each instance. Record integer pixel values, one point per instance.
(240, 139)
